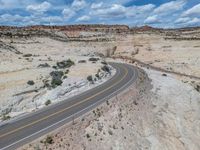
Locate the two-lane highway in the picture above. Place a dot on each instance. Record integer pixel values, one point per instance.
(23, 130)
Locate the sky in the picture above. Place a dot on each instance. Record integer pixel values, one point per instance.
(156, 13)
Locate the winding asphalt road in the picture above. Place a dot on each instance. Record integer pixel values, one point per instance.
(16, 133)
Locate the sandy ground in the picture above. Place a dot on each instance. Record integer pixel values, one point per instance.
(180, 56)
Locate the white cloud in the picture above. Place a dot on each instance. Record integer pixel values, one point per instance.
(52, 19)
(30, 20)
(194, 21)
(71, 10)
(115, 11)
(139, 11)
(96, 5)
(170, 7)
(78, 4)
(120, 11)
(84, 18)
(12, 18)
(68, 13)
(152, 20)
(192, 11)
(9, 4)
(187, 21)
(182, 20)
(39, 8)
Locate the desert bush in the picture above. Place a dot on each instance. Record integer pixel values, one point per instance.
(54, 67)
(106, 68)
(82, 61)
(48, 102)
(5, 117)
(104, 63)
(30, 82)
(56, 74)
(27, 55)
(67, 71)
(56, 78)
(56, 82)
(65, 64)
(97, 75)
(164, 74)
(110, 132)
(45, 65)
(90, 79)
(65, 77)
(87, 135)
(48, 140)
(93, 59)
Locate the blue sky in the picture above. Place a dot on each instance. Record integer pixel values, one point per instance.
(157, 13)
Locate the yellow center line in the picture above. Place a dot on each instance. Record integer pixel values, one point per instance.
(58, 112)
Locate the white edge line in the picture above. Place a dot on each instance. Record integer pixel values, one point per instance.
(4, 148)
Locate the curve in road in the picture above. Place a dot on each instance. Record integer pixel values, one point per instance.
(16, 133)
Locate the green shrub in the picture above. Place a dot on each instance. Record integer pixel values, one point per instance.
(48, 140)
(97, 75)
(31, 82)
(82, 61)
(104, 63)
(65, 77)
(93, 59)
(90, 79)
(56, 74)
(27, 55)
(48, 102)
(56, 78)
(65, 64)
(56, 82)
(54, 67)
(87, 135)
(106, 68)
(5, 117)
(45, 65)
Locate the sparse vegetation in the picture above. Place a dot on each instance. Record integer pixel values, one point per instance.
(106, 68)
(110, 132)
(65, 77)
(197, 88)
(48, 140)
(87, 135)
(27, 55)
(65, 64)
(93, 59)
(5, 117)
(82, 61)
(48, 102)
(56, 78)
(56, 82)
(104, 63)
(97, 75)
(90, 79)
(45, 65)
(30, 82)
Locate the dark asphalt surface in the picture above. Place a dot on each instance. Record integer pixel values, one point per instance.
(16, 133)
